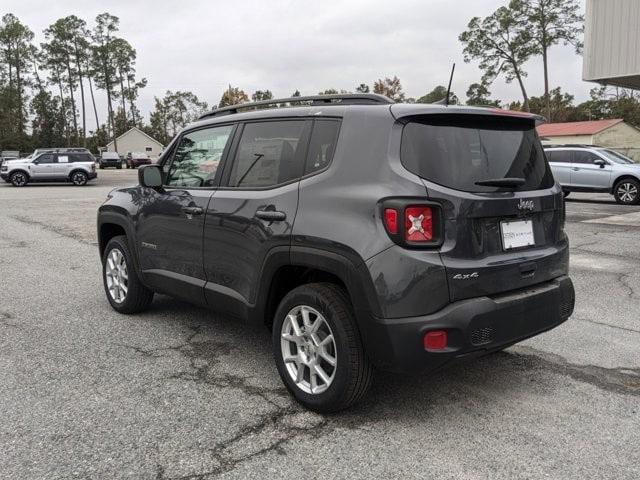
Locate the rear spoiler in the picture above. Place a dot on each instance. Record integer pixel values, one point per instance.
(400, 110)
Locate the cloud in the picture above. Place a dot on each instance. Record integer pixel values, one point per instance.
(284, 45)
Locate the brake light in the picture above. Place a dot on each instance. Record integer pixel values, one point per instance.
(435, 340)
(418, 223)
(413, 222)
(391, 220)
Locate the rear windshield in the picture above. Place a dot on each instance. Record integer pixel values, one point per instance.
(457, 151)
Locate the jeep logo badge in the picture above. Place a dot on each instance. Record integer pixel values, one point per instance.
(525, 205)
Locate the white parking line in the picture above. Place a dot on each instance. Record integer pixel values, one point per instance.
(628, 219)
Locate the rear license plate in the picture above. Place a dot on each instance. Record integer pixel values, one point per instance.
(517, 234)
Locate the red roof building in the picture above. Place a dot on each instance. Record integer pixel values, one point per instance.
(576, 128)
(613, 133)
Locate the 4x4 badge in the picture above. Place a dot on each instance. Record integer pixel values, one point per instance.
(525, 205)
(465, 276)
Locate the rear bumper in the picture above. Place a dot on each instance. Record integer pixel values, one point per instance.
(474, 327)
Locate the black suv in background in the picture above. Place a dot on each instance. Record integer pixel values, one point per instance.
(362, 233)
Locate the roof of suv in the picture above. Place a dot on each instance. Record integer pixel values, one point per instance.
(338, 105)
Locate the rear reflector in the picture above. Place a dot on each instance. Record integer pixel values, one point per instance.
(418, 224)
(391, 220)
(435, 340)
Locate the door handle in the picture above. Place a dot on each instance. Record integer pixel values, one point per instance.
(271, 215)
(575, 169)
(193, 210)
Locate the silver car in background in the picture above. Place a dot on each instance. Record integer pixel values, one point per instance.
(588, 168)
(74, 167)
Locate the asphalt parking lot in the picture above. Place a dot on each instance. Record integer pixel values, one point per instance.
(179, 392)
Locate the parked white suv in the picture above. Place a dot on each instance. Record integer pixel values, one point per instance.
(586, 168)
(75, 167)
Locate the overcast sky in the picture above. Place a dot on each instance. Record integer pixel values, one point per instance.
(284, 45)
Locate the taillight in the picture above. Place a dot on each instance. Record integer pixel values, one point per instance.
(412, 223)
(391, 220)
(418, 224)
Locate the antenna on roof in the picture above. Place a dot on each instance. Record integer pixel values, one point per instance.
(446, 100)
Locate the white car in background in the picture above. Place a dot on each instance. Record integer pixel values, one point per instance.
(588, 168)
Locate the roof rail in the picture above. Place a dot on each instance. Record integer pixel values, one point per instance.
(336, 99)
(577, 145)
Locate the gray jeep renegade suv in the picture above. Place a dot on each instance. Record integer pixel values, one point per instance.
(364, 234)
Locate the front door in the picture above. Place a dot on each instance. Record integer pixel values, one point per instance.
(42, 168)
(171, 219)
(586, 174)
(253, 213)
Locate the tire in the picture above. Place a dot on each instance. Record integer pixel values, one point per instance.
(119, 167)
(137, 297)
(351, 376)
(101, 167)
(79, 178)
(627, 191)
(19, 179)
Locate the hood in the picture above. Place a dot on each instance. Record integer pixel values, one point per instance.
(16, 162)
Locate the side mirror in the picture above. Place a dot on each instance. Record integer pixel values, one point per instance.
(150, 176)
(601, 163)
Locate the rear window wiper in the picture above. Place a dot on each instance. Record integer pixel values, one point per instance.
(502, 182)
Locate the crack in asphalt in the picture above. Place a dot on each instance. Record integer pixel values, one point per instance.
(622, 380)
(278, 427)
(573, 317)
(52, 228)
(622, 280)
(4, 320)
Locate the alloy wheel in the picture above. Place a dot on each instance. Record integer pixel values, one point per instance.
(627, 192)
(19, 179)
(117, 276)
(308, 349)
(79, 178)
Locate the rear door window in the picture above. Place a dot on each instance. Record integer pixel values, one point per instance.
(458, 150)
(269, 154)
(583, 157)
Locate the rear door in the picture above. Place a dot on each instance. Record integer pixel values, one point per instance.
(171, 219)
(63, 164)
(253, 212)
(586, 174)
(495, 238)
(560, 162)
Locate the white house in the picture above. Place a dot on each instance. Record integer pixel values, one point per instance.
(135, 140)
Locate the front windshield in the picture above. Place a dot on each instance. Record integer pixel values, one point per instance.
(616, 157)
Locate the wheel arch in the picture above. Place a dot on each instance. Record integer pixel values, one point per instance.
(77, 169)
(283, 272)
(112, 224)
(624, 176)
(19, 170)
